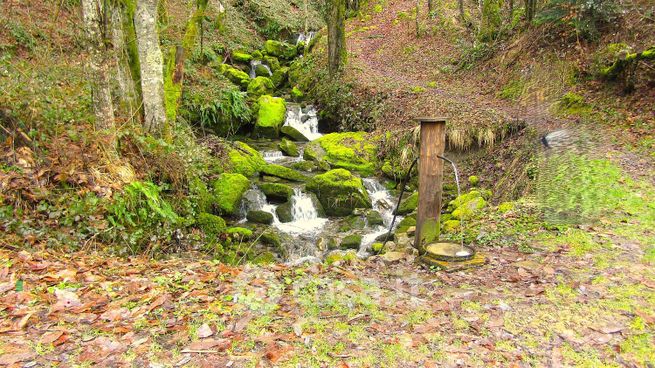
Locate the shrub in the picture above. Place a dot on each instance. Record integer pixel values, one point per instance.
(588, 18)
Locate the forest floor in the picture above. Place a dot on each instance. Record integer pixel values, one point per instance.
(578, 296)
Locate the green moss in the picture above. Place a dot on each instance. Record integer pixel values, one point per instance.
(573, 103)
(470, 209)
(296, 93)
(228, 191)
(288, 147)
(270, 117)
(374, 218)
(307, 166)
(200, 195)
(260, 217)
(235, 75)
(264, 258)
(239, 232)
(512, 90)
(377, 247)
(241, 57)
(418, 90)
(280, 49)
(172, 89)
(339, 256)
(408, 205)
(283, 212)
(339, 191)
(430, 231)
(282, 172)
(451, 226)
(474, 180)
(280, 76)
(351, 241)
(505, 207)
(272, 62)
(351, 151)
(406, 223)
(260, 86)
(276, 191)
(244, 159)
(211, 225)
(296, 135)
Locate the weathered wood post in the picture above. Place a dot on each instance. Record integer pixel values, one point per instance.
(430, 177)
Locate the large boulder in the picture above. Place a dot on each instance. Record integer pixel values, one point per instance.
(211, 225)
(283, 212)
(272, 62)
(229, 189)
(241, 57)
(280, 49)
(270, 117)
(260, 86)
(339, 191)
(260, 217)
(408, 205)
(350, 150)
(351, 242)
(235, 75)
(244, 159)
(282, 172)
(293, 133)
(280, 76)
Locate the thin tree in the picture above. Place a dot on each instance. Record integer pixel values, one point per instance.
(336, 21)
(151, 65)
(96, 24)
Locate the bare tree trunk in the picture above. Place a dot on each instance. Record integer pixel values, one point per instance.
(95, 23)
(306, 15)
(126, 91)
(418, 18)
(337, 52)
(151, 63)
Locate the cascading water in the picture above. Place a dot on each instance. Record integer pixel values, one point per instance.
(255, 200)
(304, 214)
(304, 121)
(272, 156)
(383, 203)
(306, 38)
(254, 64)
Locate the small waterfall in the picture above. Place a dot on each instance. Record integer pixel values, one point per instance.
(272, 156)
(303, 120)
(305, 216)
(253, 68)
(255, 200)
(306, 38)
(383, 203)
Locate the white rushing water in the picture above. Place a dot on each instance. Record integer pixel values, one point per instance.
(304, 214)
(306, 38)
(255, 200)
(303, 120)
(272, 156)
(382, 202)
(253, 68)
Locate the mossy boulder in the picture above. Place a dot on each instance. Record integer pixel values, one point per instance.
(242, 57)
(466, 197)
(229, 189)
(506, 207)
(377, 247)
(257, 55)
(451, 226)
(374, 218)
(211, 225)
(351, 242)
(262, 71)
(244, 159)
(474, 180)
(351, 151)
(260, 86)
(282, 172)
(296, 93)
(260, 217)
(276, 192)
(353, 222)
(307, 166)
(469, 209)
(406, 223)
(280, 76)
(280, 49)
(272, 62)
(339, 191)
(270, 116)
(408, 205)
(293, 133)
(283, 212)
(275, 240)
(288, 147)
(235, 75)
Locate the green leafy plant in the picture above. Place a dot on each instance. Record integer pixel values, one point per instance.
(224, 116)
(589, 18)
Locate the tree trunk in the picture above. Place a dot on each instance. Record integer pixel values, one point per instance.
(306, 15)
(530, 10)
(418, 18)
(430, 7)
(151, 63)
(460, 3)
(95, 23)
(126, 91)
(336, 36)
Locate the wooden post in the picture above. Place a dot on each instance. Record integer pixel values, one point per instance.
(430, 177)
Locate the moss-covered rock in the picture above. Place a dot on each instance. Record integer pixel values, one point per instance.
(451, 226)
(260, 217)
(257, 55)
(280, 76)
(293, 133)
(272, 62)
(283, 212)
(211, 225)
(374, 218)
(377, 247)
(408, 205)
(239, 233)
(474, 180)
(296, 93)
(270, 116)
(307, 166)
(260, 86)
(466, 197)
(276, 192)
(282, 172)
(228, 192)
(352, 151)
(469, 209)
(288, 147)
(353, 222)
(506, 207)
(338, 256)
(244, 159)
(275, 240)
(351, 242)
(339, 191)
(280, 49)
(235, 75)
(264, 258)
(406, 223)
(241, 57)
(262, 71)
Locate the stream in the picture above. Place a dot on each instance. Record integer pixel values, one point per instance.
(309, 234)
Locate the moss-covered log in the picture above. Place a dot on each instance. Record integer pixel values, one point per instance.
(625, 67)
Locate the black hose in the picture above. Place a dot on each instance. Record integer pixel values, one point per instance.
(400, 198)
